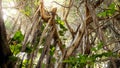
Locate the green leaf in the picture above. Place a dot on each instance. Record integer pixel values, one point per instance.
(61, 23)
(63, 46)
(61, 33)
(25, 61)
(112, 6)
(68, 61)
(18, 37)
(107, 54)
(96, 56)
(111, 10)
(100, 45)
(52, 49)
(83, 60)
(61, 26)
(40, 50)
(102, 14)
(43, 65)
(16, 48)
(53, 60)
(93, 49)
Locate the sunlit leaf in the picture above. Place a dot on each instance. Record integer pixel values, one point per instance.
(52, 49)
(16, 48)
(61, 23)
(93, 49)
(109, 12)
(112, 6)
(102, 14)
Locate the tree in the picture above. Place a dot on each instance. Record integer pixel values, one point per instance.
(82, 34)
(5, 51)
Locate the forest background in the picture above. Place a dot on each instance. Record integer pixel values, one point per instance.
(59, 33)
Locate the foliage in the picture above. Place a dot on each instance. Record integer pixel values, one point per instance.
(18, 37)
(61, 24)
(99, 46)
(52, 49)
(28, 49)
(16, 42)
(70, 45)
(36, 2)
(27, 11)
(108, 12)
(16, 48)
(81, 60)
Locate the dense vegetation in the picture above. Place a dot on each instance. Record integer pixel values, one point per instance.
(71, 34)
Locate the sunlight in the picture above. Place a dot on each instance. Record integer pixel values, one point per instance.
(8, 9)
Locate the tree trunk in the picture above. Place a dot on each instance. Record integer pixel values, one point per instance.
(4, 48)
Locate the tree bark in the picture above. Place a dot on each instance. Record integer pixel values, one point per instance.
(4, 47)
